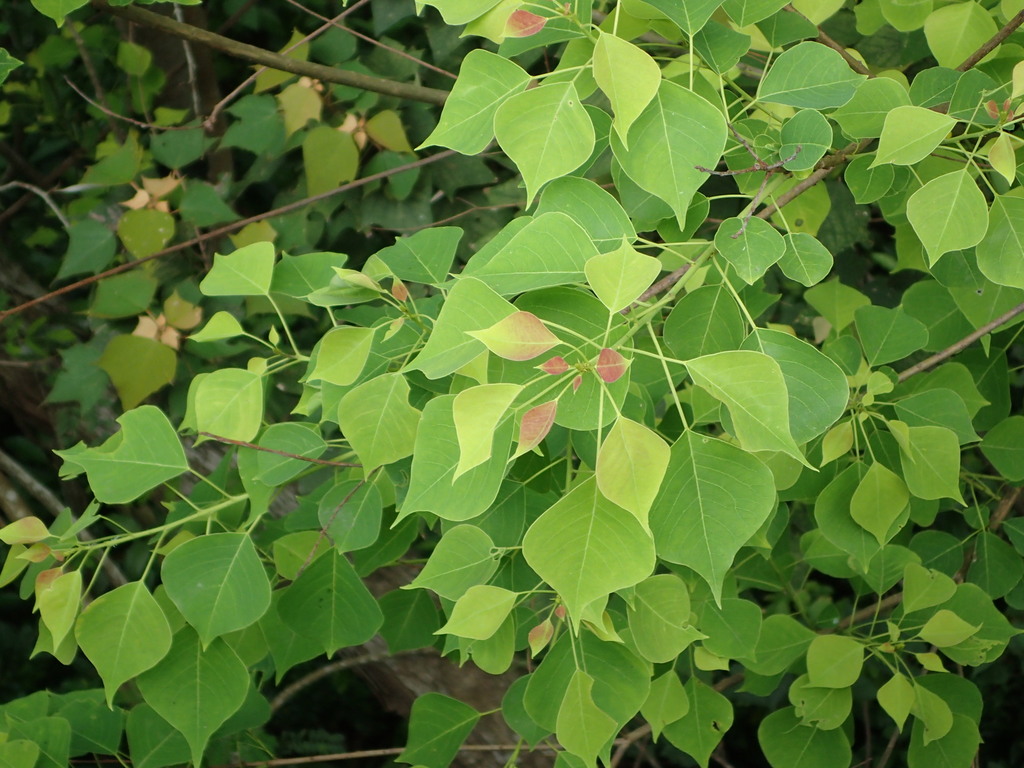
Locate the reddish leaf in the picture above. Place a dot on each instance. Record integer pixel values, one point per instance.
(560, 611)
(540, 636)
(523, 24)
(576, 383)
(399, 291)
(611, 365)
(519, 336)
(554, 366)
(535, 425)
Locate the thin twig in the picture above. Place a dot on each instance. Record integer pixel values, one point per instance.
(990, 44)
(662, 285)
(386, 752)
(43, 195)
(124, 118)
(961, 345)
(219, 106)
(257, 55)
(884, 759)
(366, 38)
(288, 692)
(244, 444)
(855, 64)
(228, 228)
(825, 167)
(94, 78)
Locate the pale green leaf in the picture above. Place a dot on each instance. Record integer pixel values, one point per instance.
(864, 116)
(479, 611)
(945, 628)
(811, 75)
(956, 31)
(878, 502)
(787, 743)
(582, 727)
(1001, 251)
(586, 547)
(750, 246)
(629, 78)
(925, 587)
(229, 403)
(834, 661)
(341, 355)
(631, 463)
(463, 558)
(620, 276)
(910, 133)
(931, 463)
(659, 618)
(378, 421)
(246, 272)
(948, 213)
(897, 697)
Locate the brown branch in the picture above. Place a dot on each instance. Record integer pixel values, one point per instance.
(257, 55)
(244, 444)
(228, 228)
(961, 345)
(662, 285)
(992, 42)
(288, 692)
(855, 64)
(825, 167)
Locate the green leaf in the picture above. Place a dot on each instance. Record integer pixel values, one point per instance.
(546, 132)
(629, 78)
(836, 302)
(329, 602)
(880, 499)
(330, 158)
(586, 547)
(897, 698)
(752, 387)
(123, 295)
(953, 750)
(676, 132)
(229, 403)
(58, 9)
(527, 261)
(582, 727)
(19, 753)
(477, 411)
(1001, 251)
(137, 367)
(7, 64)
(222, 325)
(781, 642)
(925, 587)
(463, 558)
(704, 321)
(787, 743)
(659, 618)
(720, 46)
(702, 516)
(196, 690)
(145, 231)
(1004, 447)
(732, 628)
(945, 628)
(666, 703)
(341, 355)
(867, 182)
(821, 708)
(689, 16)
(620, 276)
(145, 453)
(289, 437)
(745, 12)
(910, 134)
(933, 712)
(58, 601)
(479, 611)
(888, 335)
(948, 213)
(834, 661)
(218, 583)
(152, 742)
(350, 515)
(433, 485)
(425, 257)
(246, 272)
(817, 389)
(486, 81)
(751, 247)
(108, 632)
(864, 116)
(299, 276)
(997, 568)
(437, 727)
(590, 206)
(91, 244)
(699, 731)
(631, 463)
(378, 421)
(931, 463)
(809, 75)
(940, 407)
(955, 32)
(808, 135)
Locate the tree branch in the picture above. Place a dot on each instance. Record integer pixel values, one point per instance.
(961, 345)
(255, 447)
(226, 229)
(992, 42)
(252, 53)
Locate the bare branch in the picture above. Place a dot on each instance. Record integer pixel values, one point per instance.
(244, 444)
(990, 44)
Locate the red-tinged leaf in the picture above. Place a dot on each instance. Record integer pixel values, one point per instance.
(535, 425)
(399, 291)
(576, 383)
(611, 365)
(560, 611)
(24, 531)
(523, 24)
(519, 336)
(555, 366)
(46, 578)
(36, 553)
(540, 636)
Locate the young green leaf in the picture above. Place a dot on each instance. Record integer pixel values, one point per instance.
(479, 611)
(629, 78)
(437, 727)
(666, 703)
(700, 730)
(878, 502)
(834, 661)
(582, 727)
(787, 743)
(620, 276)
(341, 355)
(477, 411)
(897, 698)
(378, 421)
(631, 463)
(520, 336)
(948, 213)
(246, 272)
